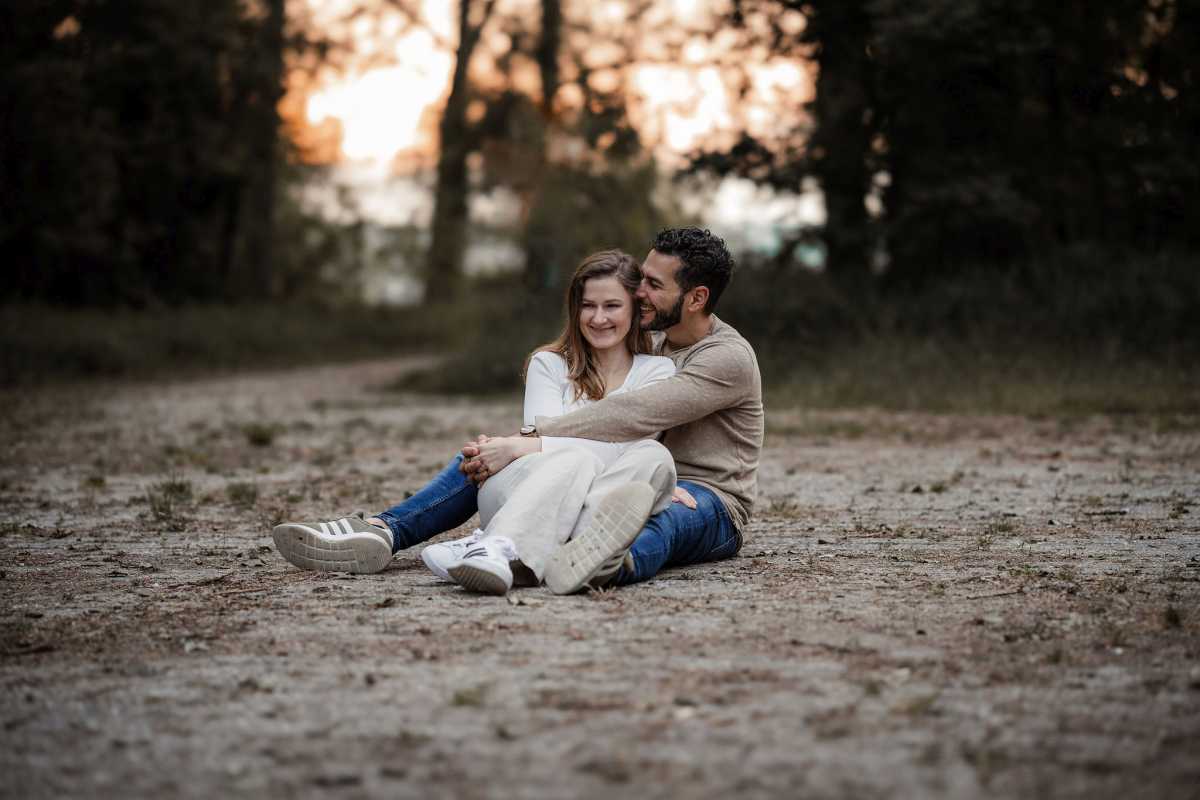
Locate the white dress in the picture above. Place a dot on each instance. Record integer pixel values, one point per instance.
(540, 500)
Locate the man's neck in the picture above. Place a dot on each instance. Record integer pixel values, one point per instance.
(689, 330)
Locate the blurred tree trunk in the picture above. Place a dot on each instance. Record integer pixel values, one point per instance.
(247, 252)
(444, 263)
(547, 52)
(538, 273)
(840, 144)
(260, 252)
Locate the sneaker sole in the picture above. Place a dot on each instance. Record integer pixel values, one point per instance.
(475, 579)
(619, 518)
(358, 553)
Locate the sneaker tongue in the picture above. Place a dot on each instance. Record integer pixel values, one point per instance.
(504, 547)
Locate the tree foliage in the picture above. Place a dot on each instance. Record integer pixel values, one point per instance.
(582, 179)
(990, 131)
(137, 149)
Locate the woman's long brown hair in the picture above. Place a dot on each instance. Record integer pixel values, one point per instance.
(570, 344)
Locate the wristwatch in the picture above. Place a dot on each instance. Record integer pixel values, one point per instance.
(529, 430)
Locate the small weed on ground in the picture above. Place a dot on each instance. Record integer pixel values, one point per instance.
(167, 498)
(259, 434)
(241, 494)
(472, 697)
(274, 512)
(94, 482)
(784, 507)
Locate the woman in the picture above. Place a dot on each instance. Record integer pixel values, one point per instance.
(539, 491)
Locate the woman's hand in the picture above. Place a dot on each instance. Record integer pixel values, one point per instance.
(681, 495)
(470, 465)
(498, 452)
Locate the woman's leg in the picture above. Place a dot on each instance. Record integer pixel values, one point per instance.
(541, 510)
(497, 489)
(446, 502)
(645, 461)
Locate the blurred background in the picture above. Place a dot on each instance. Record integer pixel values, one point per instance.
(944, 204)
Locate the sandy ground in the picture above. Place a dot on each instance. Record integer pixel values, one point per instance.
(959, 606)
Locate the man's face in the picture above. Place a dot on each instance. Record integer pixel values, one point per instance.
(660, 296)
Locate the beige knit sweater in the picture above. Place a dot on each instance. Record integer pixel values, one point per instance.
(711, 410)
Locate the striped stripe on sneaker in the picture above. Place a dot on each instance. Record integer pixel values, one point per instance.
(348, 544)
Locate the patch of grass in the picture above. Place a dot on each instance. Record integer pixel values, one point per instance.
(40, 344)
(274, 512)
(945, 375)
(784, 507)
(167, 499)
(1001, 527)
(241, 494)
(1112, 633)
(259, 434)
(916, 704)
(472, 697)
(822, 427)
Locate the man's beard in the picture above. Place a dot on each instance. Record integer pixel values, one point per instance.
(665, 319)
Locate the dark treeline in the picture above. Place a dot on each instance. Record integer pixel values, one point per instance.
(138, 150)
(991, 132)
(141, 161)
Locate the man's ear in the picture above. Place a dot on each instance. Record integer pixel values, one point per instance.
(699, 299)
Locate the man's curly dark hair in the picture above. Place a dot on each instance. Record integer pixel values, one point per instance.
(706, 260)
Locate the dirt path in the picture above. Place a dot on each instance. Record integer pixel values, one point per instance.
(925, 606)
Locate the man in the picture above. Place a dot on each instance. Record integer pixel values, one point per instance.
(711, 411)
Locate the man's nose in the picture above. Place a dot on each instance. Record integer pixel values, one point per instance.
(640, 294)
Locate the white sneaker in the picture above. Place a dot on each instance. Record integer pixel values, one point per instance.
(441, 556)
(349, 544)
(595, 555)
(484, 568)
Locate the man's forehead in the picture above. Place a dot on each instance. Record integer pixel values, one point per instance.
(661, 265)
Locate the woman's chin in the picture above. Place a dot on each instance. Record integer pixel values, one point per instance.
(604, 344)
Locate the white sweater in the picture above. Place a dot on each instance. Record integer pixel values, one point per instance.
(550, 393)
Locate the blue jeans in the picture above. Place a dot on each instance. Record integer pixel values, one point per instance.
(681, 535)
(443, 504)
(671, 538)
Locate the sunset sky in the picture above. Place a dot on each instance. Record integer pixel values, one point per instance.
(377, 118)
(383, 107)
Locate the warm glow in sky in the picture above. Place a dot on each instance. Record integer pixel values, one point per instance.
(380, 108)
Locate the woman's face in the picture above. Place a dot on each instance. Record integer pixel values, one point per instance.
(605, 313)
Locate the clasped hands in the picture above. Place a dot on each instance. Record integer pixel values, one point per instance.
(486, 455)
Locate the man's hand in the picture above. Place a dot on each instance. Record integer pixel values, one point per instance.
(681, 495)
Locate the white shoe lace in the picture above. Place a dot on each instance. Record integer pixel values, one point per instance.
(460, 546)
